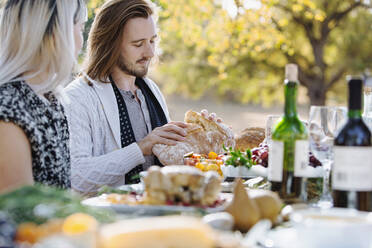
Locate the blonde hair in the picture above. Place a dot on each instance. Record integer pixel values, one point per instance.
(38, 36)
(106, 35)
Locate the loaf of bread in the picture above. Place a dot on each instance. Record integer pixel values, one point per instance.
(249, 138)
(203, 136)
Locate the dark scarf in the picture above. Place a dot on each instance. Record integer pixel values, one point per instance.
(157, 117)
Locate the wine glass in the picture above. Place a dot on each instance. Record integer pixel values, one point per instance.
(324, 123)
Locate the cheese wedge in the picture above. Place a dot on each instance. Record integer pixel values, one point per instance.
(158, 232)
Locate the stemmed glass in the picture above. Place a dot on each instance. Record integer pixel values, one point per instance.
(324, 123)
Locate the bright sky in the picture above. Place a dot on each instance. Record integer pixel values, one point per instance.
(231, 8)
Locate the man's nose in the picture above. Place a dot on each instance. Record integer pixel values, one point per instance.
(149, 50)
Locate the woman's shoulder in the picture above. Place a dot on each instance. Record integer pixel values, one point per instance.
(15, 102)
(12, 88)
(12, 94)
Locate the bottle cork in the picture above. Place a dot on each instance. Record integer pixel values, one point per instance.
(291, 72)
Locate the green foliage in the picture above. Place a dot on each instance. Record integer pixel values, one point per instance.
(39, 203)
(110, 190)
(241, 56)
(93, 7)
(237, 158)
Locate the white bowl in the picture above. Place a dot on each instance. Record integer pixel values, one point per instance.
(335, 227)
(241, 171)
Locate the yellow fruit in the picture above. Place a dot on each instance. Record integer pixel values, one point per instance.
(200, 166)
(268, 203)
(27, 232)
(213, 167)
(212, 155)
(32, 233)
(79, 223)
(205, 165)
(244, 210)
(51, 227)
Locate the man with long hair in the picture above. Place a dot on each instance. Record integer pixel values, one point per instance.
(116, 114)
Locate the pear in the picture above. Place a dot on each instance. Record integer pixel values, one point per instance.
(244, 210)
(268, 203)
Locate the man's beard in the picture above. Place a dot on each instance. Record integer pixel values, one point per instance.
(130, 69)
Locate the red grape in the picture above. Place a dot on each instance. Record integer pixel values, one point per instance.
(260, 156)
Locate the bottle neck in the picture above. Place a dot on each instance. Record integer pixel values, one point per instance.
(290, 92)
(354, 114)
(355, 98)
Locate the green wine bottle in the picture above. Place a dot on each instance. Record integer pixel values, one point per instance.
(289, 147)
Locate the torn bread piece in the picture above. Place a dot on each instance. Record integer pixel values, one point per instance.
(203, 136)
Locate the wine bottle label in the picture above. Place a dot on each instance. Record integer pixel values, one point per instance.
(301, 166)
(275, 168)
(352, 168)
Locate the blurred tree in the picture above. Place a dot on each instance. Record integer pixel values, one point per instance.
(238, 48)
(93, 7)
(337, 33)
(240, 51)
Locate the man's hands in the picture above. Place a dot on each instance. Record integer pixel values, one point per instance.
(211, 116)
(168, 134)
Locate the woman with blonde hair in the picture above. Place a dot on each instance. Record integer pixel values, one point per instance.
(39, 43)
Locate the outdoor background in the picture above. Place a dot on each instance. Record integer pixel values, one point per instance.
(228, 56)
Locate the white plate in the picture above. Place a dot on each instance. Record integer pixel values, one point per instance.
(153, 209)
(280, 238)
(138, 188)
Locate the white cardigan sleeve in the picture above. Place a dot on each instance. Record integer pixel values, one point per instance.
(89, 172)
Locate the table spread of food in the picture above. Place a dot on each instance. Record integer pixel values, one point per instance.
(215, 189)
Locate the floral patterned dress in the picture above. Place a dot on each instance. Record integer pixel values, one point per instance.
(46, 128)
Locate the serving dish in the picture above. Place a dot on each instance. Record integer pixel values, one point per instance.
(141, 209)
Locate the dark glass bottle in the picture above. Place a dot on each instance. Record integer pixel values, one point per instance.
(288, 149)
(352, 170)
